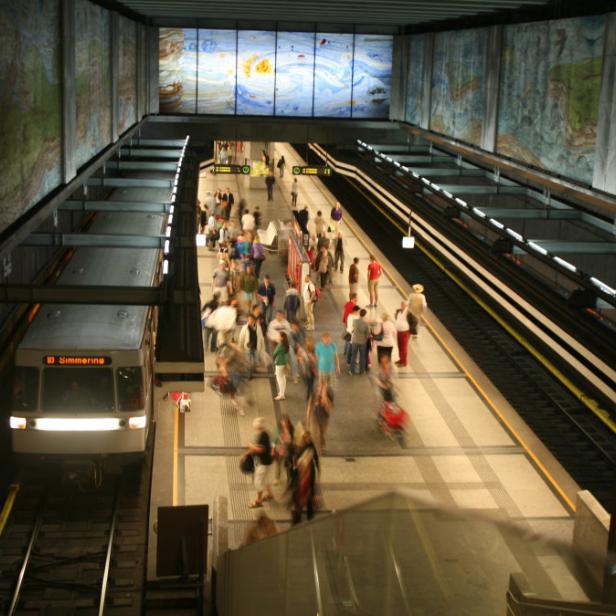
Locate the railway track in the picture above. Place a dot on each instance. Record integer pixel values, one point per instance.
(74, 550)
(583, 445)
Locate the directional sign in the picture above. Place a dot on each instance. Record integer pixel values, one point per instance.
(312, 170)
(232, 169)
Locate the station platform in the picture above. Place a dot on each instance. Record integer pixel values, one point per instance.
(466, 449)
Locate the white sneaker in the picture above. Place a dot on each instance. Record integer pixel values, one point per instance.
(279, 398)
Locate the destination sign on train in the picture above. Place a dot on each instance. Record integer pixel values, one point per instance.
(232, 169)
(312, 170)
(76, 360)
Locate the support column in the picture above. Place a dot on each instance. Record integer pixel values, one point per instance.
(604, 177)
(399, 77)
(69, 109)
(427, 81)
(492, 80)
(115, 64)
(153, 69)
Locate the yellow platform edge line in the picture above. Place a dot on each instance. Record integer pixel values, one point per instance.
(461, 365)
(7, 508)
(176, 436)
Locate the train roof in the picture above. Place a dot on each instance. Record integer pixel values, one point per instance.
(101, 327)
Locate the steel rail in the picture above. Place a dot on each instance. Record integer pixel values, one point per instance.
(27, 558)
(112, 529)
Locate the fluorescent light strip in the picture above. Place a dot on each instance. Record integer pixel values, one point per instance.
(565, 264)
(447, 194)
(165, 267)
(168, 231)
(461, 202)
(603, 286)
(77, 424)
(497, 223)
(166, 248)
(170, 219)
(171, 209)
(538, 248)
(479, 212)
(514, 234)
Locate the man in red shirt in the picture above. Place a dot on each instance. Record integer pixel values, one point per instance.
(348, 308)
(374, 273)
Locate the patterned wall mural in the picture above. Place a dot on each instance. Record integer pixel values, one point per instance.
(549, 94)
(30, 99)
(92, 80)
(251, 72)
(372, 65)
(458, 84)
(127, 74)
(415, 85)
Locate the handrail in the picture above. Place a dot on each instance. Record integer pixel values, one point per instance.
(315, 569)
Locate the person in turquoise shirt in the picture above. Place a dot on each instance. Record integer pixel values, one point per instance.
(328, 362)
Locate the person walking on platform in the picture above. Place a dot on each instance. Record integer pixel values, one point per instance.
(336, 216)
(339, 253)
(258, 255)
(270, 180)
(282, 163)
(385, 337)
(261, 450)
(297, 340)
(305, 479)
(359, 344)
(249, 284)
(354, 277)
(319, 225)
(248, 221)
(417, 305)
(374, 274)
(266, 294)
(281, 361)
(252, 342)
(277, 326)
(257, 215)
(327, 356)
(295, 194)
(322, 406)
(403, 320)
(291, 302)
(209, 331)
(309, 296)
(322, 265)
(230, 200)
(220, 282)
(284, 449)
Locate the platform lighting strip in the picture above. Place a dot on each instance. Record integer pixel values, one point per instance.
(511, 232)
(174, 194)
(78, 424)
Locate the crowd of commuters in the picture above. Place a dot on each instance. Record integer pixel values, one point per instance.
(251, 325)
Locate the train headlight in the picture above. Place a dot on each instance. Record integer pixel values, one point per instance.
(18, 423)
(136, 423)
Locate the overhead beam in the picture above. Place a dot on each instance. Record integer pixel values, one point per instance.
(140, 165)
(531, 213)
(130, 182)
(117, 206)
(95, 240)
(558, 247)
(173, 153)
(80, 294)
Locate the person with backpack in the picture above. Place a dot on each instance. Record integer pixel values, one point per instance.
(291, 302)
(261, 450)
(282, 163)
(310, 297)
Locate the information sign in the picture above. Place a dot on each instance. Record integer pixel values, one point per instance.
(312, 170)
(232, 169)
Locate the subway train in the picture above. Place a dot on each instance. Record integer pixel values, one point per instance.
(83, 377)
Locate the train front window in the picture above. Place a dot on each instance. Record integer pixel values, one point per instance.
(130, 389)
(78, 390)
(25, 389)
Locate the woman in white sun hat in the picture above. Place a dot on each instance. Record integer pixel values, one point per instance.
(417, 304)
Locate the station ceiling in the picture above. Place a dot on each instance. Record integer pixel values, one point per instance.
(392, 13)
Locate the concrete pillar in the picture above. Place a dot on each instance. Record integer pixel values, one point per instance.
(399, 77)
(153, 69)
(427, 81)
(69, 108)
(492, 81)
(604, 176)
(115, 62)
